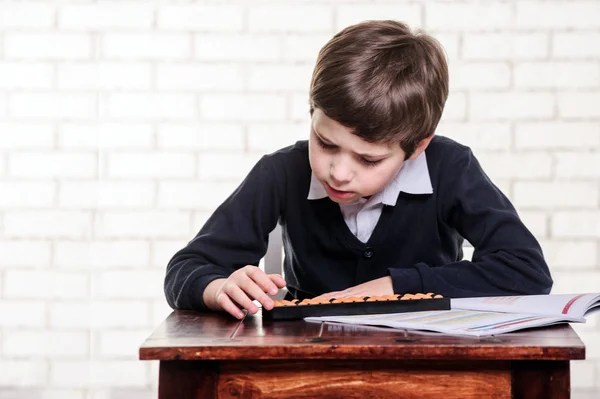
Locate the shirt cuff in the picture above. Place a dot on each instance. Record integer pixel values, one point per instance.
(406, 281)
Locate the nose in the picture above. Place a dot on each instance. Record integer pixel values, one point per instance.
(340, 171)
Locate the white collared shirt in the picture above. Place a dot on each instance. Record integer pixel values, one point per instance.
(362, 216)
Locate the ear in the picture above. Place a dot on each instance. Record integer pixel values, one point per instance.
(421, 147)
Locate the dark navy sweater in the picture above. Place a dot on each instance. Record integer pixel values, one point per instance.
(418, 241)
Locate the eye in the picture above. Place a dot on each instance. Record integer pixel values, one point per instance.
(370, 163)
(324, 145)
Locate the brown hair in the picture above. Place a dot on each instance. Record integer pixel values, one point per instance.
(382, 81)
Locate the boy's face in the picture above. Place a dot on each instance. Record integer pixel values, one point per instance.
(349, 167)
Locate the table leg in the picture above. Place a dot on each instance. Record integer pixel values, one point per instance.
(541, 379)
(187, 380)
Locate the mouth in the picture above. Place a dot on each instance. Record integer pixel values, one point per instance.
(332, 192)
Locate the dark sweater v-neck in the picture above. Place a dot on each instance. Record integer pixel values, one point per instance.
(418, 242)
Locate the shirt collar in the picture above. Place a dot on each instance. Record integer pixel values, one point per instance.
(412, 178)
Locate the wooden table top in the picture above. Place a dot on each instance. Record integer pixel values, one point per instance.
(188, 335)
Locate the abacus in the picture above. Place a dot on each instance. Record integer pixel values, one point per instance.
(346, 306)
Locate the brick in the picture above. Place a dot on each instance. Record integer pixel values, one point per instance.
(202, 136)
(160, 311)
(39, 344)
(19, 194)
(163, 250)
(575, 44)
(556, 75)
(290, 18)
(347, 15)
(557, 135)
(23, 135)
(3, 105)
(79, 374)
(535, 221)
(61, 315)
(303, 47)
(591, 340)
(105, 16)
(193, 195)
(578, 164)
(151, 224)
(450, 43)
(213, 18)
(34, 284)
(256, 107)
(101, 254)
(22, 314)
(24, 253)
(516, 165)
(574, 282)
(105, 76)
(30, 75)
(52, 165)
(226, 166)
(106, 135)
(47, 224)
(492, 136)
(153, 46)
(53, 393)
(570, 254)
(511, 106)
(227, 47)
(52, 106)
(299, 108)
(151, 106)
(191, 77)
(279, 77)
(264, 138)
(582, 374)
(106, 194)
(467, 17)
(456, 107)
(557, 14)
(467, 76)
(135, 284)
(505, 46)
(119, 343)
(151, 164)
(582, 224)
(47, 45)
(37, 15)
(23, 373)
(99, 314)
(579, 105)
(557, 194)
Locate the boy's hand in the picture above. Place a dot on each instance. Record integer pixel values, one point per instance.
(241, 288)
(380, 286)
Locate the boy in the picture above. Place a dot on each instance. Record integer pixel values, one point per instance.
(372, 204)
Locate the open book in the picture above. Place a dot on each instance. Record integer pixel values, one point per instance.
(486, 315)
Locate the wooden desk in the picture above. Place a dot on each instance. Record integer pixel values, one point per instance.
(213, 355)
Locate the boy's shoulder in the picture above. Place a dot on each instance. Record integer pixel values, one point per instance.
(292, 154)
(443, 150)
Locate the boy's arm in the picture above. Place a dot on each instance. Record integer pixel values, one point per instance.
(507, 259)
(234, 236)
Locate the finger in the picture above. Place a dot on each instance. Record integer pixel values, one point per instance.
(228, 306)
(262, 280)
(256, 292)
(277, 280)
(238, 294)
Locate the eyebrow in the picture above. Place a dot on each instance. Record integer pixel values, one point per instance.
(364, 155)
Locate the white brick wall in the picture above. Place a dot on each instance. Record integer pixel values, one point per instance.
(124, 124)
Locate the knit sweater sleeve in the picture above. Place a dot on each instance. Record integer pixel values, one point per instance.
(234, 236)
(507, 259)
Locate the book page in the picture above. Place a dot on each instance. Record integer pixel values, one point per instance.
(453, 322)
(570, 307)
